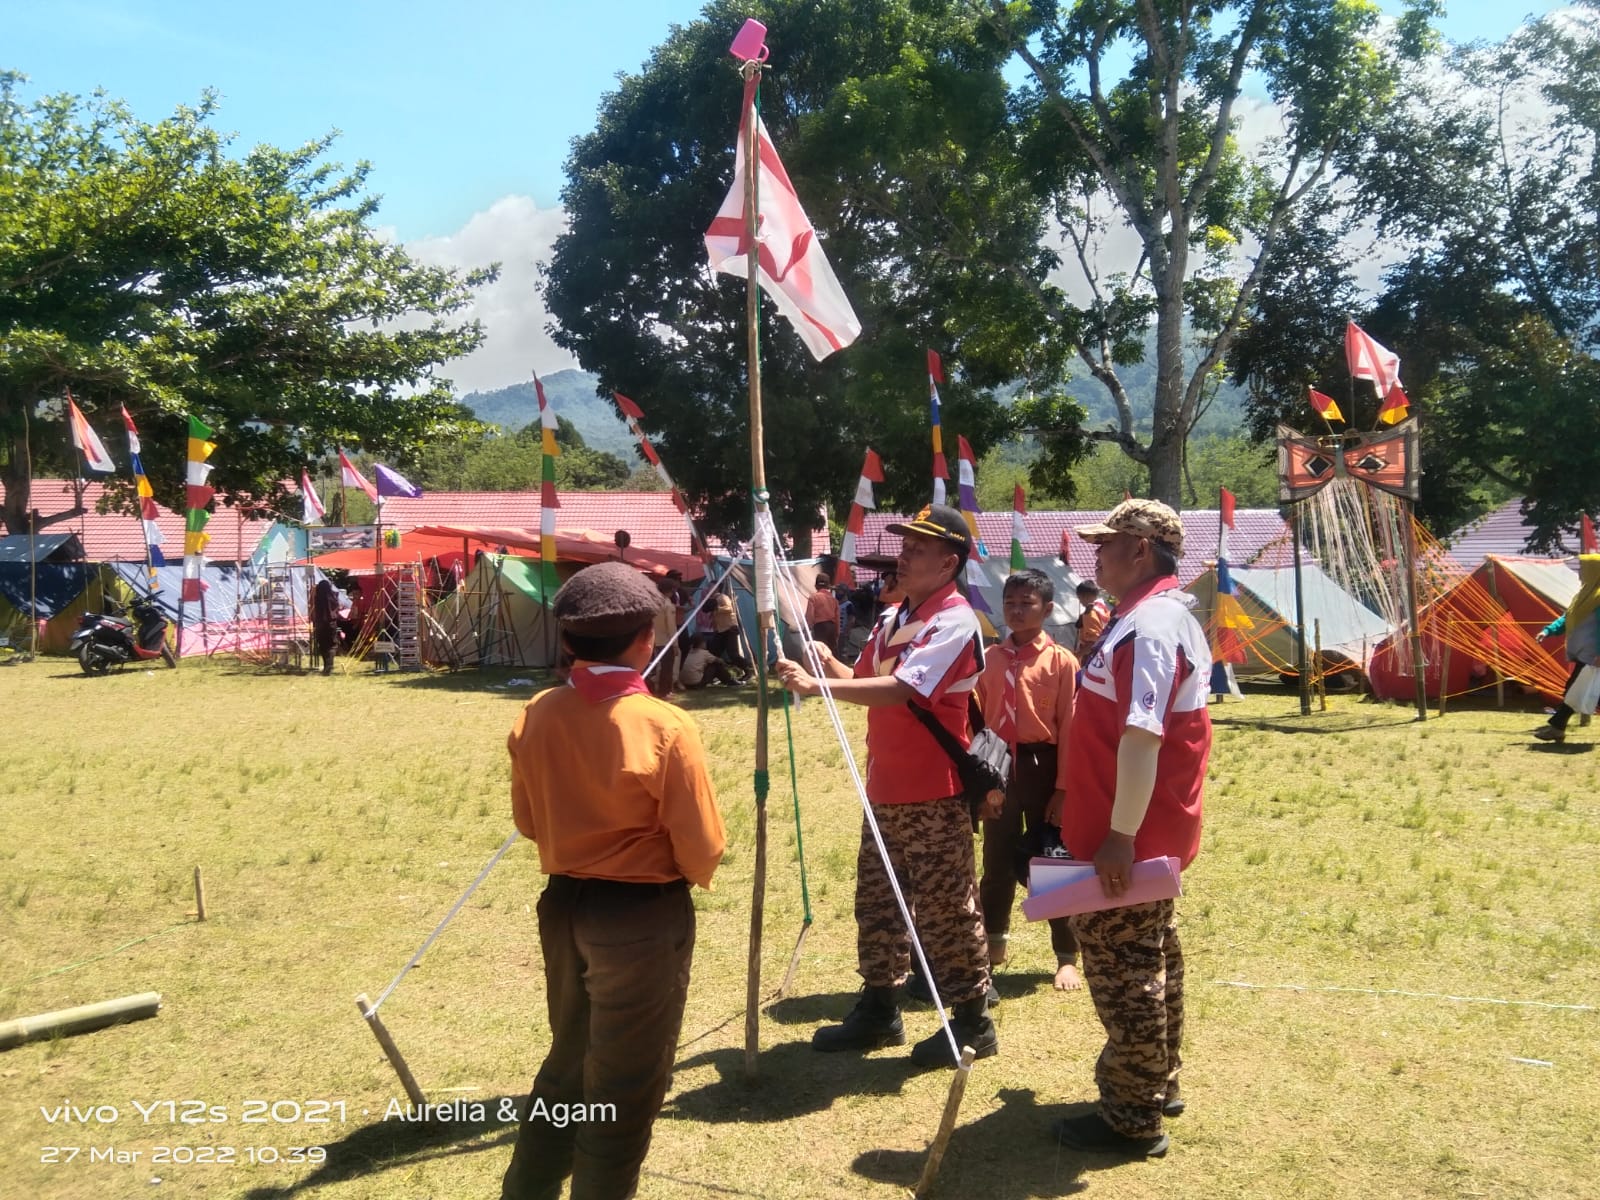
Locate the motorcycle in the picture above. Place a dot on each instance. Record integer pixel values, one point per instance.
(106, 640)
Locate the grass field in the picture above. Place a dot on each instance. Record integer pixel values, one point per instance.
(1387, 868)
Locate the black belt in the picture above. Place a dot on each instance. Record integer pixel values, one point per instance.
(575, 884)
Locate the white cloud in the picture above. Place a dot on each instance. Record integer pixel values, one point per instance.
(519, 235)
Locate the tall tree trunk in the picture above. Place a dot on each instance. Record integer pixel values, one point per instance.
(14, 475)
(1167, 425)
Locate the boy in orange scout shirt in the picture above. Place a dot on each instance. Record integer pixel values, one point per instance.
(611, 785)
(1026, 694)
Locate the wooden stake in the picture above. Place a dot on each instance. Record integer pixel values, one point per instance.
(1444, 667)
(794, 960)
(1319, 673)
(79, 1020)
(407, 1080)
(199, 896)
(947, 1124)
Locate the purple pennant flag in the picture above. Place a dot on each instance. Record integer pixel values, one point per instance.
(392, 483)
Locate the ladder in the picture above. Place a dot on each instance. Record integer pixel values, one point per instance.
(288, 628)
(407, 602)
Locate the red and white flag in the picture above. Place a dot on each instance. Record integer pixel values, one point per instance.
(792, 269)
(85, 439)
(871, 473)
(354, 478)
(310, 505)
(1370, 360)
(1588, 543)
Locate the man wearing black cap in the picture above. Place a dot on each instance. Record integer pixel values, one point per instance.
(924, 651)
(611, 785)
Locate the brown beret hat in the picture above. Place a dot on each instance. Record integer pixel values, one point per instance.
(605, 600)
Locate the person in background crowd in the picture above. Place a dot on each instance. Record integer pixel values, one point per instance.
(822, 614)
(1581, 624)
(1091, 622)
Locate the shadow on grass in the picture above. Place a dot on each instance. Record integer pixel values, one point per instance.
(1317, 722)
(1560, 747)
(384, 1145)
(793, 1080)
(1015, 1136)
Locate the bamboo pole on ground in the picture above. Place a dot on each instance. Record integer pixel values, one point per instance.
(81, 1019)
(947, 1124)
(391, 1051)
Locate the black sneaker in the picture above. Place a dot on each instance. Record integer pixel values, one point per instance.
(874, 1022)
(1550, 733)
(1173, 1105)
(1090, 1132)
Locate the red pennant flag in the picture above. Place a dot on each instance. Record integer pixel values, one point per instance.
(628, 407)
(1395, 406)
(935, 367)
(1590, 544)
(1019, 499)
(1227, 505)
(1327, 407)
(872, 468)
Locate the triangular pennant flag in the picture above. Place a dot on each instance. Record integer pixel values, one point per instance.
(86, 440)
(628, 407)
(1587, 540)
(1327, 407)
(1227, 503)
(1019, 533)
(1395, 406)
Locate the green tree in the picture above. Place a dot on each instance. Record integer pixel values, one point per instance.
(1130, 116)
(491, 462)
(152, 266)
(1487, 167)
(892, 119)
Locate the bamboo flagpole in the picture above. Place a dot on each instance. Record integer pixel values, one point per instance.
(771, 244)
(762, 553)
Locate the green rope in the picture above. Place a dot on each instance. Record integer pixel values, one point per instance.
(97, 957)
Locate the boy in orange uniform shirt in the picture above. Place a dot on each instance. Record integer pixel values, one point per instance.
(1026, 693)
(611, 785)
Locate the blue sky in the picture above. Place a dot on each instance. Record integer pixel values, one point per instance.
(465, 110)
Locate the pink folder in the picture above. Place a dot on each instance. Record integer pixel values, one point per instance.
(1059, 889)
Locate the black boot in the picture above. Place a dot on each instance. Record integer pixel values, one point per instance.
(973, 1026)
(873, 1022)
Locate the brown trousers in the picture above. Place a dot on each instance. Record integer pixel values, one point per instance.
(930, 848)
(1033, 778)
(616, 966)
(1133, 964)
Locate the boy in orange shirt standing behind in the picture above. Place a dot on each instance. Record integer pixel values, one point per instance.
(1026, 694)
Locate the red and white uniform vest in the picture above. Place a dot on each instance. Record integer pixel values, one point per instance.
(1150, 671)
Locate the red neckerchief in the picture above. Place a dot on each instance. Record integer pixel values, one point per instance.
(599, 682)
(1018, 656)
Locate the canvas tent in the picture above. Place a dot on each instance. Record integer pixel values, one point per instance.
(1527, 593)
(1351, 631)
(498, 616)
(61, 593)
(233, 617)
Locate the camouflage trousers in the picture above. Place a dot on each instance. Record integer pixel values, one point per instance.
(930, 849)
(1133, 964)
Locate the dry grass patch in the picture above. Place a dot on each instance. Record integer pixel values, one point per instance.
(338, 819)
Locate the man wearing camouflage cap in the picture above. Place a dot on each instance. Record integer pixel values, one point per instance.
(1136, 758)
(611, 785)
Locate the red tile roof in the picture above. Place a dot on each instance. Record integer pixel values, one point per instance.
(1260, 538)
(119, 536)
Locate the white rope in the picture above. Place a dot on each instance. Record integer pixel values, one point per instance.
(688, 620)
(417, 957)
(765, 530)
(1304, 987)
